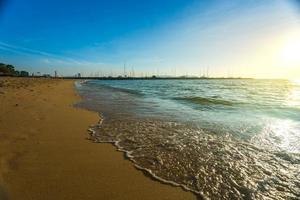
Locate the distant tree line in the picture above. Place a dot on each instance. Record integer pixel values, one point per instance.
(9, 70)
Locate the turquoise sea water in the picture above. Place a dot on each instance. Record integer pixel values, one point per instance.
(230, 139)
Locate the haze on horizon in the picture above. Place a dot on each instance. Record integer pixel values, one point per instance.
(259, 39)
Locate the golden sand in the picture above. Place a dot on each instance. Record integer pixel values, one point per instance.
(44, 153)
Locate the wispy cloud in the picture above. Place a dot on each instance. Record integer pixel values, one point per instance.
(48, 58)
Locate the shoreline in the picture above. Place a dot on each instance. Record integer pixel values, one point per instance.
(45, 154)
(128, 156)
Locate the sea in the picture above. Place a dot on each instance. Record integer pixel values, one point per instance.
(218, 138)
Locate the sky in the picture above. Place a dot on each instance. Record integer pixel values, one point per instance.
(221, 38)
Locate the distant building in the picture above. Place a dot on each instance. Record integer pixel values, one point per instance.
(46, 75)
(78, 75)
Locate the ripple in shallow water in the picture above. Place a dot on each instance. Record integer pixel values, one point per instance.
(213, 167)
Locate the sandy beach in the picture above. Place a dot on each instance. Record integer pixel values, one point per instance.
(45, 153)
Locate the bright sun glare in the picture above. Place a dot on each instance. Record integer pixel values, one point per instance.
(290, 54)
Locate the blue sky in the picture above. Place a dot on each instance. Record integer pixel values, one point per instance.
(175, 37)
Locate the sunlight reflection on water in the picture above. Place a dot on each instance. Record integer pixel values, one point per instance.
(279, 135)
(293, 98)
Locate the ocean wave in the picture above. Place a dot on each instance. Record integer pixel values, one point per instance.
(119, 89)
(206, 101)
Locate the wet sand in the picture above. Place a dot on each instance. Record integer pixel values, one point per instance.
(45, 154)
